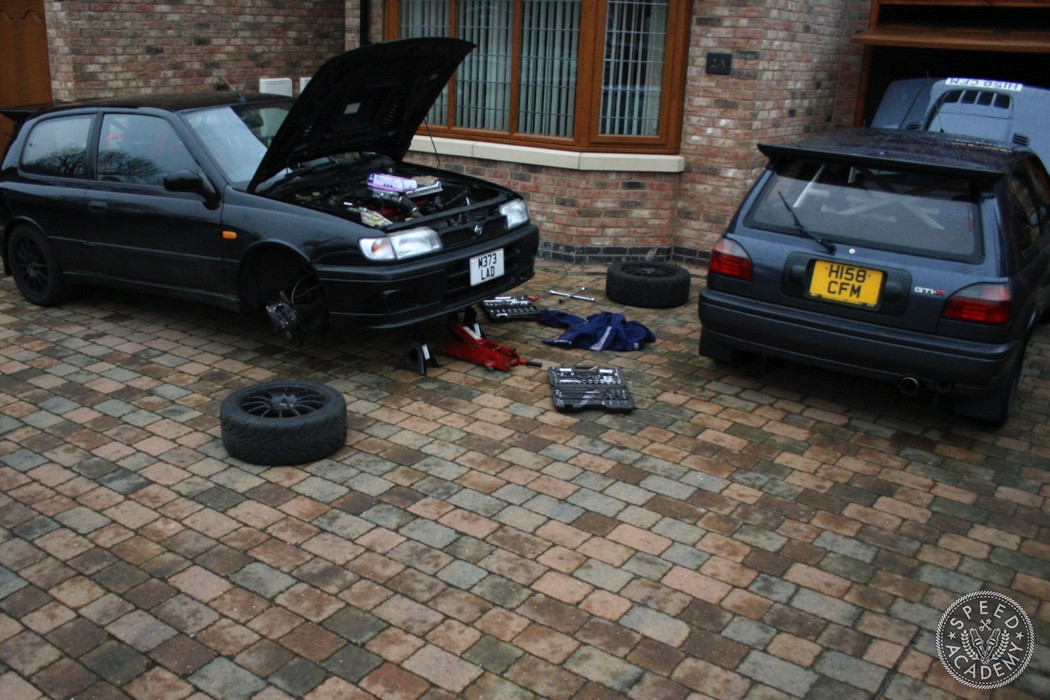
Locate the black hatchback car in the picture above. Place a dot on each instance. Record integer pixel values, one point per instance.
(302, 208)
(917, 258)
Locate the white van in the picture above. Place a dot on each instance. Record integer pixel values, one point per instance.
(989, 109)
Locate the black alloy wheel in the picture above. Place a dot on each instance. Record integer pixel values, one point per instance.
(35, 268)
(648, 284)
(283, 422)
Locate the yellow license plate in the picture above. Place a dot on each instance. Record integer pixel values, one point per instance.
(849, 284)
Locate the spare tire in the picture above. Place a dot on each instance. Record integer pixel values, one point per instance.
(283, 422)
(647, 283)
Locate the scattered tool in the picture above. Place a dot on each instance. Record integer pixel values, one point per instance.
(473, 348)
(574, 295)
(510, 308)
(577, 388)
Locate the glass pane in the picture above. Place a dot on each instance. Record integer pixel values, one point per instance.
(929, 214)
(237, 136)
(483, 80)
(140, 150)
(635, 36)
(58, 147)
(421, 18)
(550, 35)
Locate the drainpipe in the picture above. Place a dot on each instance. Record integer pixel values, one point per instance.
(365, 6)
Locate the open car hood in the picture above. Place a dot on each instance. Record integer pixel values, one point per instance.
(372, 98)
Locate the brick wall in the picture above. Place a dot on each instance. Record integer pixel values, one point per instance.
(793, 72)
(100, 48)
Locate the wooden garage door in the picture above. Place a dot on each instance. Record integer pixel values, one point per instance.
(25, 77)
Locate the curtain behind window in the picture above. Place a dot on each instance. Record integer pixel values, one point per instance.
(549, 56)
(421, 18)
(549, 32)
(483, 80)
(635, 38)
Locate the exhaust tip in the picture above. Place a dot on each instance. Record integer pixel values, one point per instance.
(908, 386)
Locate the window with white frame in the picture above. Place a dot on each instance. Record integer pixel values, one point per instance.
(602, 75)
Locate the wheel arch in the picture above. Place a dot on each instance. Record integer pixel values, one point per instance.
(5, 238)
(263, 266)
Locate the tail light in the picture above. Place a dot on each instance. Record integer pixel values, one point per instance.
(979, 303)
(729, 259)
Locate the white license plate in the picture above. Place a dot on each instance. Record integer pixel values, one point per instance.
(485, 267)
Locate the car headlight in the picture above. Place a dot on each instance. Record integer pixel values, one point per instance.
(405, 244)
(517, 213)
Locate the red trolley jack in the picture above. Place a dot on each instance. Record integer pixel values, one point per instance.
(474, 348)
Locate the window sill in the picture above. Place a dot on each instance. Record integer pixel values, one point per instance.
(568, 160)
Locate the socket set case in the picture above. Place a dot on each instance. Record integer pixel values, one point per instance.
(511, 308)
(577, 388)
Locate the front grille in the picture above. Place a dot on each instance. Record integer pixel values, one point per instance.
(468, 229)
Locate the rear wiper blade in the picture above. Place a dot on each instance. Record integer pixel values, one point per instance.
(827, 245)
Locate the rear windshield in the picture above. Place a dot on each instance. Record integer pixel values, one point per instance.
(925, 214)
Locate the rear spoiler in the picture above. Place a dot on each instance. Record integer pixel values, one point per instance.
(874, 159)
(17, 114)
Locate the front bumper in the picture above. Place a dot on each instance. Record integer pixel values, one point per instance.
(877, 352)
(420, 290)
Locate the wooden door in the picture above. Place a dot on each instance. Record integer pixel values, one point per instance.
(25, 75)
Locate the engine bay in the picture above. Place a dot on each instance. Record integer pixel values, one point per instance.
(380, 199)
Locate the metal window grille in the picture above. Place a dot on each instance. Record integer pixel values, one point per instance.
(549, 56)
(483, 81)
(635, 42)
(548, 63)
(421, 18)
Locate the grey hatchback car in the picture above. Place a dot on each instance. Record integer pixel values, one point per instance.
(921, 259)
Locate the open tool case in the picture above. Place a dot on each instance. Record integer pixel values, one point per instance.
(510, 308)
(577, 388)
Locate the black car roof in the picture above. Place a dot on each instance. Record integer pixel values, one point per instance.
(918, 150)
(175, 102)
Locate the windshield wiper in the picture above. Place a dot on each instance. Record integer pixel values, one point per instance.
(827, 245)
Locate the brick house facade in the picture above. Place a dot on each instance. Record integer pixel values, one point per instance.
(794, 71)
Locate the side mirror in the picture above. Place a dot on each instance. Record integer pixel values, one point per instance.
(188, 181)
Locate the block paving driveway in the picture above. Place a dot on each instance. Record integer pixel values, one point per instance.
(766, 531)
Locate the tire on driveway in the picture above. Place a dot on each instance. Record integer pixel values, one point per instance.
(283, 422)
(647, 283)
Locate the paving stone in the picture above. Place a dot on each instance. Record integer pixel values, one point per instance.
(262, 579)
(603, 668)
(855, 672)
(825, 606)
(355, 625)
(225, 679)
(298, 677)
(492, 654)
(182, 655)
(352, 663)
(760, 532)
(750, 632)
(115, 662)
(778, 673)
(10, 582)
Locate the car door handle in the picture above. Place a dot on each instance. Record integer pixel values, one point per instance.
(97, 206)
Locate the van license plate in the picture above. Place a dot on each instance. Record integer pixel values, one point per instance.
(486, 267)
(849, 284)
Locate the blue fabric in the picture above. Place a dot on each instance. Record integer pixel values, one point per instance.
(602, 331)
